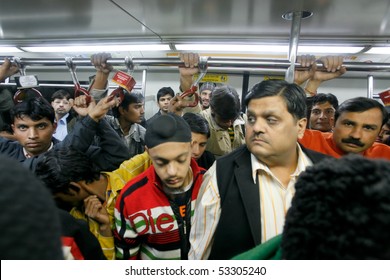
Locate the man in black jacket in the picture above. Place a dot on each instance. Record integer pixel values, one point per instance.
(33, 126)
(245, 194)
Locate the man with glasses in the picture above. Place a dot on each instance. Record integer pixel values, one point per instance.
(65, 118)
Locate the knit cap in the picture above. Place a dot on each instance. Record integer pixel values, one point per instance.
(207, 86)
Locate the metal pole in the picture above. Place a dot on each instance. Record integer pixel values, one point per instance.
(370, 86)
(245, 87)
(293, 47)
(65, 85)
(212, 63)
(144, 74)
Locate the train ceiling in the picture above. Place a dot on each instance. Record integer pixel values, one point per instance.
(172, 23)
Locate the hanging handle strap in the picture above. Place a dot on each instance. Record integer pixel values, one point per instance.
(27, 83)
(78, 90)
(194, 87)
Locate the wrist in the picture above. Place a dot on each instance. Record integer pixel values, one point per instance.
(105, 230)
(101, 76)
(94, 117)
(310, 93)
(104, 72)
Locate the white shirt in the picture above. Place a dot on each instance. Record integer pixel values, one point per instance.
(275, 200)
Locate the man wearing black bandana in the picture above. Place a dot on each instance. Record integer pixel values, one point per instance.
(153, 212)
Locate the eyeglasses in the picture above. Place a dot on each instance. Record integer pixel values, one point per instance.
(61, 101)
(327, 112)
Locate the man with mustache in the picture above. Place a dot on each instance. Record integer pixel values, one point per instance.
(246, 193)
(358, 122)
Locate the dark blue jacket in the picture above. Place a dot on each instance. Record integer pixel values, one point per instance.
(110, 153)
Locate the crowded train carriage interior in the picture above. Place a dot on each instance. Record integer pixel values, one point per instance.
(244, 41)
(275, 87)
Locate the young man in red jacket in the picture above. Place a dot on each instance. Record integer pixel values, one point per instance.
(154, 210)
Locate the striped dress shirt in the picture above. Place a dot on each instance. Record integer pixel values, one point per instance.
(275, 199)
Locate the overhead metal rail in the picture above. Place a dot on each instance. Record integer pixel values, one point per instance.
(236, 63)
(244, 65)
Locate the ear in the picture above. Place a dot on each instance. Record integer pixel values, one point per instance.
(301, 125)
(13, 127)
(121, 110)
(74, 188)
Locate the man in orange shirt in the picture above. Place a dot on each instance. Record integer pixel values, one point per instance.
(358, 122)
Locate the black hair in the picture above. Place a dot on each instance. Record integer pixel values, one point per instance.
(60, 94)
(361, 104)
(35, 108)
(129, 98)
(225, 102)
(321, 98)
(197, 123)
(58, 167)
(30, 225)
(387, 108)
(387, 141)
(340, 210)
(293, 95)
(164, 91)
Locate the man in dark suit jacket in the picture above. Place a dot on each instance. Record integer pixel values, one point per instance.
(245, 194)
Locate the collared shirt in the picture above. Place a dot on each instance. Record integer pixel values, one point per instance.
(134, 140)
(27, 155)
(274, 204)
(275, 198)
(62, 128)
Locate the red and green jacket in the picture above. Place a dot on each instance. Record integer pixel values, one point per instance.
(147, 225)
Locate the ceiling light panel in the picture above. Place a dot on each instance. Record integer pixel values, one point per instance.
(7, 49)
(268, 48)
(98, 48)
(379, 50)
